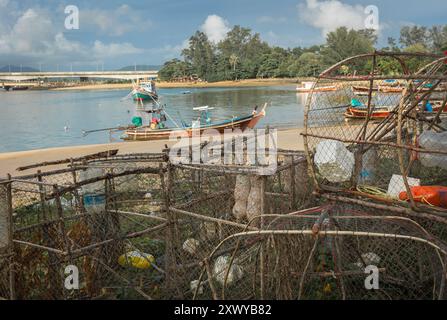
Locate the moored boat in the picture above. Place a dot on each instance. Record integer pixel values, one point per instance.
(362, 91)
(155, 131)
(358, 110)
(390, 89)
(144, 91)
(362, 113)
(308, 86)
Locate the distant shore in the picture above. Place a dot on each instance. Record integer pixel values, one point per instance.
(166, 84)
(10, 161)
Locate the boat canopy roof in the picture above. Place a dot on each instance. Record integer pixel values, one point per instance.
(203, 108)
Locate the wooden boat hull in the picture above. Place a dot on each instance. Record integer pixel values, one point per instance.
(437, 107)
(356, 113)
(386, 89)
(139, 95)
(364, 89)
(146, 133)
(321, 89)
(19, 88)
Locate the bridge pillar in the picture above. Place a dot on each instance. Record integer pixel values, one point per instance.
(84, 79)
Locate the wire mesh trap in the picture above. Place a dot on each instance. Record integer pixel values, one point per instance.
(380, 139)
(143, 226)
(115, 220)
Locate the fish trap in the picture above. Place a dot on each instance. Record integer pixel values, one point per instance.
(332, 252)
(380, 136)
(210, 203)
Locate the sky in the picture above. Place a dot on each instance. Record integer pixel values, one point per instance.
(117, 33)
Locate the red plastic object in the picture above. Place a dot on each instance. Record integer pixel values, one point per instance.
(431, 195)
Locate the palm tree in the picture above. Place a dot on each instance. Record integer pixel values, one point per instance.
(233, 61)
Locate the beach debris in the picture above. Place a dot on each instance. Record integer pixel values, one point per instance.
(136, 259)
(191, 245)
(334, 161)
(195, 284)
(93, 193)
(220, 269)
(397, 185)
(241, 192)
(369, 161)
(431, 195)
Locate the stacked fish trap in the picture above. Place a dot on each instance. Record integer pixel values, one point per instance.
(377, 146)
(140, 226)
(99, 216)
(211, 205)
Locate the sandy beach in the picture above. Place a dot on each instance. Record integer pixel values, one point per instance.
(165, 84)
(10, 161)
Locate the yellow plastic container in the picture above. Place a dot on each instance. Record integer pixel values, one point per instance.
(136, 259)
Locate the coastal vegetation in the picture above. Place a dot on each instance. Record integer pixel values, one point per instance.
(244, 55)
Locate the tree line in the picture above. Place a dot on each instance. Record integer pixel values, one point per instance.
(243, 54)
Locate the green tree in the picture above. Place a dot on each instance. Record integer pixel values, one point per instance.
(343, 43)
(438, 37)
(414, 64)
(245, 45)
(174, 68)
(275, 63)
(410, 36)
(308, 65)
(200, 55)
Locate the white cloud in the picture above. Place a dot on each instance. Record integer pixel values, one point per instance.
(33, 37)
(215, 27)
(328, 15)
(114, 22)
(114, 49)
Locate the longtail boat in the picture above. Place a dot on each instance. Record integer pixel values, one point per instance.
(433, 106)
(358, 110)
(363, 89)
(390, 89)
(307, 86)
(383, 89)
(154, 132)
(144, 91)
(362, 113)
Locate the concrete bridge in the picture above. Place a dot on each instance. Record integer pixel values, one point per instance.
(83, 75)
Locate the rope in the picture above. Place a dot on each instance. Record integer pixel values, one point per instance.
(373, 190)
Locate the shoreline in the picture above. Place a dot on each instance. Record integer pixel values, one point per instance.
(10, 161)
(187, 85)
